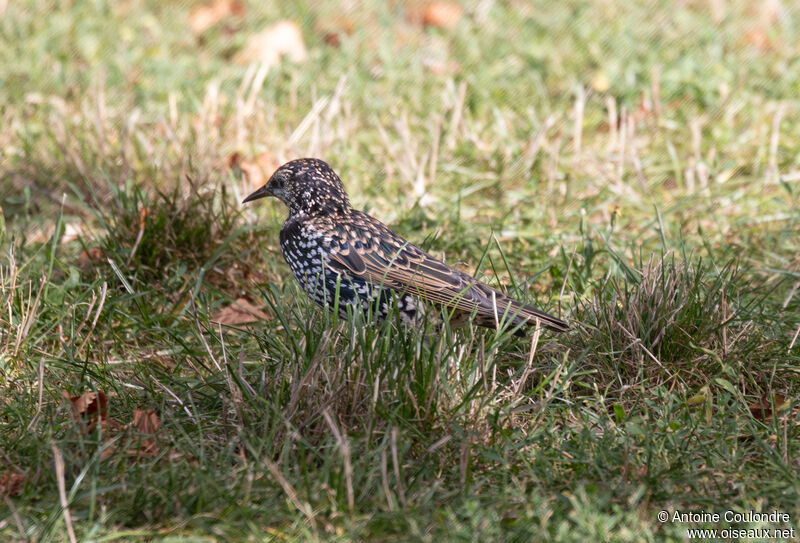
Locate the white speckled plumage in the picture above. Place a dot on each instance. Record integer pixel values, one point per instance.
(328, 244)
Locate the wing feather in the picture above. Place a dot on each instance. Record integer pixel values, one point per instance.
(397, 264)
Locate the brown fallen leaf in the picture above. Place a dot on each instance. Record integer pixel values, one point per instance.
(239, 312)
(441, 14)
(333, 28)
(11, 483)
(763, 408)
(759, 38)
(91, 254)
(268, 46)
(203, 17)
(146, 423)
(89, 408)
(257, 169)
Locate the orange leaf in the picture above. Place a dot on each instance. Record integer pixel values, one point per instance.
(759, 38)
(239, 312)
(441, 14)
(201, 18)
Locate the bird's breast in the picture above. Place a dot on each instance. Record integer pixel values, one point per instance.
(304, 249)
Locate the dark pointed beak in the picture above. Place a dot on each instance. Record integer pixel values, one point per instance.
(260, 193)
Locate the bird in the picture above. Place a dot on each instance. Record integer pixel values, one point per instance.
(343, 257)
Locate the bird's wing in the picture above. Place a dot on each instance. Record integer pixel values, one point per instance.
(386, 259)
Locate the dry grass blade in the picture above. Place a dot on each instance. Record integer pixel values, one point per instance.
(401, 493)
(529, 365)
(344, 449)
(202, 336)
(291, 493)
(387, 492)
(58, 460)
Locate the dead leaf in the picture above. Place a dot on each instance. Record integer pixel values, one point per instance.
(91, 254)
(203, 17)
(234, 160)
(268, 46)
(333, 28)
(442, 14)
(89, 408)
(11, 483)
(759, 38)
(146, 423)
(239, 312)
(763, 409)
(257, 169)
(764, 16)
(108, 452)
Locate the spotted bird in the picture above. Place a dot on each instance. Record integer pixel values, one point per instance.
(330, 246)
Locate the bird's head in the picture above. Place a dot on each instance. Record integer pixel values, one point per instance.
(307, 186)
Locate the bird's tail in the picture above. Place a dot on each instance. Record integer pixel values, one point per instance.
(531, 316)
(496, 306)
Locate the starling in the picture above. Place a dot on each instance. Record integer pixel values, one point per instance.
(343, 257)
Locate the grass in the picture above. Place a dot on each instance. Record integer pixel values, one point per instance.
(634, 168)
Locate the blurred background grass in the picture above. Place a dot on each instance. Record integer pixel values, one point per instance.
(636, 166)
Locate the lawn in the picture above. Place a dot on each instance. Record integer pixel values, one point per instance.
(632, 167)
